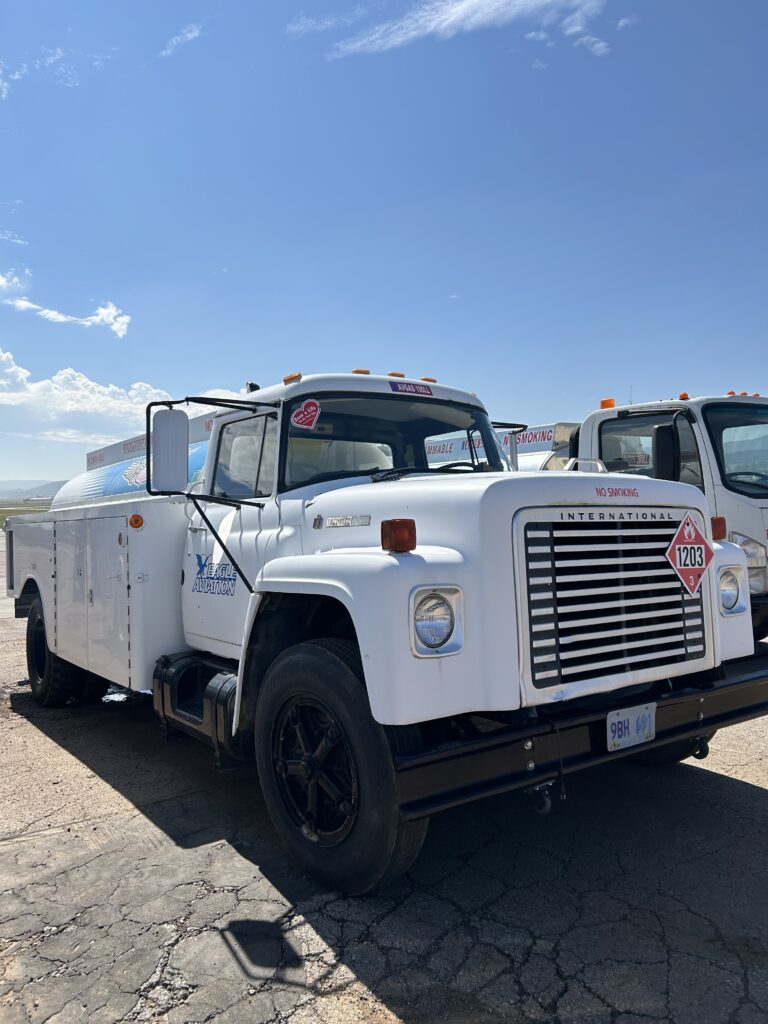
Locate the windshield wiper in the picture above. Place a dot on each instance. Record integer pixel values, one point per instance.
(396, 472)
(759, 485)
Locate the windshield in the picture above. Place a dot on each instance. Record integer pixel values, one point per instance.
(335, 436)
(740, 436)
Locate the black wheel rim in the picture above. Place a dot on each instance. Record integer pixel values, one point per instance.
(39, 650)
(315, 770)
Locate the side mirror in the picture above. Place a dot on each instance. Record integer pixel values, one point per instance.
(573, 444)
(666, 457)
(169, 462)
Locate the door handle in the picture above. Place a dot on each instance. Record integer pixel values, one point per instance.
(90, 596)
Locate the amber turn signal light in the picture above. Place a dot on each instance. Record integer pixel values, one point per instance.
(719, 528)
(291, 377)
(607, 403)
(136, 521)
(398, 535)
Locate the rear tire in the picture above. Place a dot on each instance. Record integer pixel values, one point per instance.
(326, 769)
(52, 680)
(88, 689)
(671, 753)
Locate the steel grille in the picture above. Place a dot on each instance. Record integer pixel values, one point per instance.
(603, 600)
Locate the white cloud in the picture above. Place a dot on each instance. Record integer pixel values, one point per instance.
(53, 421)
(108, 315)
(68, 435)
(13, 238)
(539, 65)
(623, 23)
(70, 393)
(58, 63)
(9, 281)
(303, 25)
(539, 36)
(447, 18)
(596, 46)
(187, 34)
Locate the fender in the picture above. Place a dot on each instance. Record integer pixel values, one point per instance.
(284, 585)
(731, 633)
(33, 578)
(401, 688)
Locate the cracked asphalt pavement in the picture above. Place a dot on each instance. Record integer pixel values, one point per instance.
(138, 884)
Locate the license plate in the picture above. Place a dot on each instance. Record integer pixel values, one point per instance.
(630, 726)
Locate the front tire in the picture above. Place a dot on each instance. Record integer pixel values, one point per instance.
(327, 772)
(52, 680)
(759, 625)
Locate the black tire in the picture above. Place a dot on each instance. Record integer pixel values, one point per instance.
(759, 626)
(88, 689)
(670, 753)
(52, 680)
(354, 841)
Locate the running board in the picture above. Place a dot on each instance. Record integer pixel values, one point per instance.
(195, 694)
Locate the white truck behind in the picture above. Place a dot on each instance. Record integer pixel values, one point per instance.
(717, 443)
(388, 635)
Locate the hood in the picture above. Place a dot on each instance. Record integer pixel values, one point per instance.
(454, 510)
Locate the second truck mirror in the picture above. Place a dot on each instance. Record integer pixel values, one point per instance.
(170, 448)
(665, 456)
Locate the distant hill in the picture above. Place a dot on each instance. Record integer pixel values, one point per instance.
(20, 490)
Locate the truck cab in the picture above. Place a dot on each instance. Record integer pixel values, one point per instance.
(718, 444)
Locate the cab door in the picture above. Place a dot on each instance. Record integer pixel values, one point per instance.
(214, 595)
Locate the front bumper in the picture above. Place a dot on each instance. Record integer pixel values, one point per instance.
(521, 757)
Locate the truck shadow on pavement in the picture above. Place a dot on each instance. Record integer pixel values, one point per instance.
(642, 897)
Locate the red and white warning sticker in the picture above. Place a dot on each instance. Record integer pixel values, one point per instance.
(306, 415)
(689, 554)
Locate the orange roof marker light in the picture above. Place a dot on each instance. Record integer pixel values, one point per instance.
(683, 396)
(291, 378)
(743, 394)
(607, 403)
(395, 373)
(429, 380)
(730, 393)
(361, 371)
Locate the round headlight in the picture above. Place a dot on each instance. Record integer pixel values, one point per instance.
(433, 619)
(729, 590)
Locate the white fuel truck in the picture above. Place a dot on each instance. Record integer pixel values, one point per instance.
(718, 443)
(387, 634)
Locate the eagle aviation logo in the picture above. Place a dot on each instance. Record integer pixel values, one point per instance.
(218, 578)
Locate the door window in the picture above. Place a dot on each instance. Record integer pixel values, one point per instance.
(626, 446)
(245, 466)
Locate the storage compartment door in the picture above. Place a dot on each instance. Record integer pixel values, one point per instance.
(71, 609)
(108, 624)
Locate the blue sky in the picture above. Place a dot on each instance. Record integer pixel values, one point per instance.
(544, 201)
